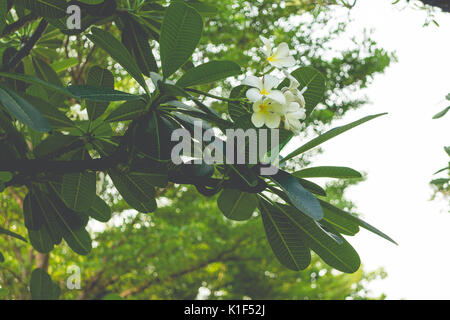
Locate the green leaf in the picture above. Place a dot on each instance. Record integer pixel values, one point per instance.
(301, 198)
(127, 111)
(23, 110)
(118, 52)
(47, 8)
(41, 240)
(442, 113)
(315, 81)
(342, 223)
(3, 15)
(56, 118)
(34, 80)
(42, 286)
(137, 191)
(98, 77)
(12, 234)
(2, 259)
(340, 256)
(209, 72)
(352, 218)
(45, 72)
(206, 10)
(79, 241)
(41, 207)
(33, 217)
(78, 189)
(284, 238)
(239, 110)
(100, 94)
(99, 210)
(91, 1)
(329, 135)
(237, 205)
(135, 39)
(63, 65)
(180, 33)
(312, 187)
(5, 176)
(327, 171)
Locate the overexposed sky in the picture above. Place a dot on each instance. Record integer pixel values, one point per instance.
(400, 152)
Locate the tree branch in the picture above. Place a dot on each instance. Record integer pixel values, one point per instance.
(13, 27)
(27, 47)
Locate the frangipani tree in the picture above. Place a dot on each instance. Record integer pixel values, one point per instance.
(57, 158)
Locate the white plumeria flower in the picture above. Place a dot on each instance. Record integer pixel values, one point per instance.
(293, 88)
(280, 57)
(263, 89)
(293, 112)
(266, 112)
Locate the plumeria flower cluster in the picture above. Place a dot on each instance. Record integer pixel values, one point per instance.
(270, 105)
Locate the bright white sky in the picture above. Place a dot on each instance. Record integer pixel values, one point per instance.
(400, 152)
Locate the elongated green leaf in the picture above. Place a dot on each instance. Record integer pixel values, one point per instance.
(34, 219)
(99, 210)
(34, 80)
(137, 191)
(299, 196)
(127, 111)
(23, 110)
(312, 187)
(92, 1)
(329, 135)
(56, 118)
(79, 241)
(78, 189)
(45, 72)
(342, 223)
(41, 207)
(98, 77)
(3, 14)
(41, 240)
(12, 234)
(5, 176)
(118, 52)
(180, 33)
(237, 205)
(340, 256)
(42, 286)
(327, 171)
(137, 42)
(441, 113)
(65, 64)
(206, 10)
(47, 8)
(100, 94)
(355, 219)
(209, 72)
(284, 238)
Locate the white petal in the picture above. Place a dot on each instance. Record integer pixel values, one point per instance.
(293, 107)
(276, 107)
(253, 81)
(254, 95)
(281, 51)
(272, 120)
(278, 96)
(284, 62)
(270, 82)
(267, 44)
(258, 119)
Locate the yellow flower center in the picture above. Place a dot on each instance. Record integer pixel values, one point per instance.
(271, 59)
(264, 92)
